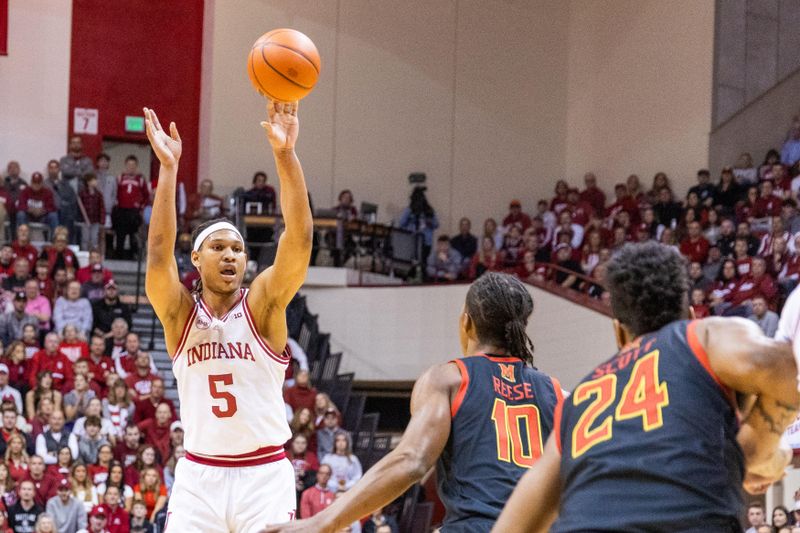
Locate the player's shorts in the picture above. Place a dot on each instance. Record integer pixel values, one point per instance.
(236, 499)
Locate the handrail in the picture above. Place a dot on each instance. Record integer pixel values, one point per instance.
(139, 270)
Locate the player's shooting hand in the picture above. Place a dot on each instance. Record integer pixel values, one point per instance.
(282, 125)
(167, 147)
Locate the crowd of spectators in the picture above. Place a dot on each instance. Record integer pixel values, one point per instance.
(783, 520)
(88, 440)
(739, 233)
(322, 452)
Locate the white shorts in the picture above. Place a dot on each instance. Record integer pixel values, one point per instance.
(217, 499)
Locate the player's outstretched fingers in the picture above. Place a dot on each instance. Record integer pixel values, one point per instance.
(173, 131)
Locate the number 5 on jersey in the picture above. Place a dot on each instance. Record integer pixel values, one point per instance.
(643, 396)
(215, 382)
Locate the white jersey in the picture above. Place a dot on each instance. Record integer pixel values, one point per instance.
(230, 385)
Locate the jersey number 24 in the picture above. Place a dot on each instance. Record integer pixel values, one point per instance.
(643, 396)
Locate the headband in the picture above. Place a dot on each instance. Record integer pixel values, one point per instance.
(216, 226)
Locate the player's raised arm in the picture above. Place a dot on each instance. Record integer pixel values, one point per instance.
(422, 443)
(533, 505)
(749, 362)
(162, 282)
(274, 288)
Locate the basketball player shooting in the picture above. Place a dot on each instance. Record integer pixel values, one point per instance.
(228, 346)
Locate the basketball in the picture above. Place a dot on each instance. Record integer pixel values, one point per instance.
(284, 65)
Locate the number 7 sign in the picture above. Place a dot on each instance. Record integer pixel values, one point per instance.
(84, 120)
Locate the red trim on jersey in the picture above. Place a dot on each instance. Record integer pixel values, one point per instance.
(462, 389)
(494, 359)
(697, 349)
(228, 312)
(557, 425)
(185, 332)
(557, 389)
(282, 359)
(232, 461)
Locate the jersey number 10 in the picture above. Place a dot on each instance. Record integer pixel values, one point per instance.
(508, 420)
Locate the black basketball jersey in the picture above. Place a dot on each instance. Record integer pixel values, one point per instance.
(501, 418)
(648, 442)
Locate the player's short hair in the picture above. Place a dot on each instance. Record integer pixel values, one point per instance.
(648, 286)
(499, 306)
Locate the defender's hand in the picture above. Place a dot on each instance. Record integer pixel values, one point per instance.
(167, 147)
(300, 526)
(282, 127)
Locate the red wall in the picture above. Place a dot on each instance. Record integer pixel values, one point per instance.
(3, 27)
(127, 54)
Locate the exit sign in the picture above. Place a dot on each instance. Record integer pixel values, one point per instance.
(134, 124)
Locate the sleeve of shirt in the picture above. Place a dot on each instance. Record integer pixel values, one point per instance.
(790, 318)
(41, 450)
(72, 442)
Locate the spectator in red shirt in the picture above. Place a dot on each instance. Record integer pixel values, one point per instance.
(768, 204)
(126, 449)
(100, 365)
(140, 381)
(157, 430)
(529, 270)
(624, 202)
(592, 194)
(205, 205)
(58, 255)
(559, 201)
(46, 486)
(695, 246)
(50, 359)
(146, 408)
(84, 274)
(581, 210)
(740, 255)
(117, 520)
(304, 461)
(487, 258)
(701, 310)
(37, 204)
(636, 192)
(726, 283)
(302, 393)
(516, 217)
(22, 245)
(94, 211)
(758, 282)
(132, 195)
(318, 497)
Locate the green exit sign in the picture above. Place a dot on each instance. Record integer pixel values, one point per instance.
(134, 124)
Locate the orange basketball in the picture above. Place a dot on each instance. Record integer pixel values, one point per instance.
(283, 65)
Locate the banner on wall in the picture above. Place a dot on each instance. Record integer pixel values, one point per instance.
(84, 120)
(3, 27)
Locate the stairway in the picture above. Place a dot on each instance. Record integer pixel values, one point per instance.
(151, 338)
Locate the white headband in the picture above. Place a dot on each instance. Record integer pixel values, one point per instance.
(211, 229)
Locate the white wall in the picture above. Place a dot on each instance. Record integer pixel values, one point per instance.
(397, 333)
(34, 83)
(639, 89)
(472, 93)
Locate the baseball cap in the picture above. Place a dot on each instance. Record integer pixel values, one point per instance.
(99, 510)
(20, 295)
(3, 368)
(562, 246)
(176, 425)
(330, 411)
(63, 484)
(37, 177)
(97, 267)
(515, 203)
(110, 283)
